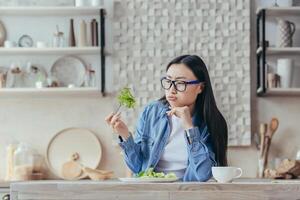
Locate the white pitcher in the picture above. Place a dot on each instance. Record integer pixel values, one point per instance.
(285, 32)
(2, 34)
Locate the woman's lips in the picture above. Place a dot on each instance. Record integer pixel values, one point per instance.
(171, 98)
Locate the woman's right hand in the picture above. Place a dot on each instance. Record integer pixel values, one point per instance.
(119, 127)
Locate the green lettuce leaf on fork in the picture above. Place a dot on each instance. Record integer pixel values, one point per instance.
(125, 98)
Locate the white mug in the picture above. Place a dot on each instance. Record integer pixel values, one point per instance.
(226, 174)
(9, 44)
(41, 44)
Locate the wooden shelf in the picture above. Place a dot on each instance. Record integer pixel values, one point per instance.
(281, 11)
(283, 50)
(62, 10)
(50, 92)
(50, 51)
(283, 92)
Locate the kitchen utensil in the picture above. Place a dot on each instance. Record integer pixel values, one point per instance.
(71, 169)
(69, 141)
(272, 128)
(262, 130)
(69, 70)
(96, 174)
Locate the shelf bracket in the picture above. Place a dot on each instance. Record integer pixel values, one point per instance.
(102, 51)
(261, 51)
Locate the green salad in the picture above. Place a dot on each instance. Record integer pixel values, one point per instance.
(125, 98)
(149, 173)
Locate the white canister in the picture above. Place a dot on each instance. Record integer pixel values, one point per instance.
(82, 41)
(9, 44)
(41, 44)
(81, 3)
(95, 3)
(284, 3)
(285, 71)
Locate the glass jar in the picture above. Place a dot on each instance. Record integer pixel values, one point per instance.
(58, 39)
(10, 150)
(90, 78)
(23, 163)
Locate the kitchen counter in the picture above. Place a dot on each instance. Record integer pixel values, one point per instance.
(114, 189)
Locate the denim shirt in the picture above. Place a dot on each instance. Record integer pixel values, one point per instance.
(152, 132)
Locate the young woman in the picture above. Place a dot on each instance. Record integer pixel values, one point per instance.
(183, 132)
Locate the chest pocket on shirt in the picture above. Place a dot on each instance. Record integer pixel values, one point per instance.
(146, 146)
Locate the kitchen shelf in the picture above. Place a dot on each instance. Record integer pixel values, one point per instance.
(62, 10)
(282, 92)
(282, 51)
(50, 92)
(263, 51)
(51, 51)
(281, 11)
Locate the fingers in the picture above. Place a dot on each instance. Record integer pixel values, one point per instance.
(171, 112)
(116, 124)
(109, 117)
(115, 118)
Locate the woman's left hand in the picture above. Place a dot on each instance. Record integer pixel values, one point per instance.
(184, 114)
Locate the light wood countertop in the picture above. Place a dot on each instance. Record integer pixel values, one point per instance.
(114, 189)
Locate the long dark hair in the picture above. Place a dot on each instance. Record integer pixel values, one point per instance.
(205, 106)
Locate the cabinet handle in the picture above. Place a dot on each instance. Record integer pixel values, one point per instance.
(6, 197)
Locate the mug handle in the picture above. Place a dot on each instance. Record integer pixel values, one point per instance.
(240, 171)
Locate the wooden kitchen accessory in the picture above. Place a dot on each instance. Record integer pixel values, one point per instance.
(96, 174)
(71, 169)
(262, 130)
(267, 141)
(69, 141)
(288, 169)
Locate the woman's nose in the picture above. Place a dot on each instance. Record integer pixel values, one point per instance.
(172, 89)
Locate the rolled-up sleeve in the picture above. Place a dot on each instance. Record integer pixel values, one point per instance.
(201, 157)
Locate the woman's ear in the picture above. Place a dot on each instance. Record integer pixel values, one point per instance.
(201, 88)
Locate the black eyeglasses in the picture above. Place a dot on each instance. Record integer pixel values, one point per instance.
(179, 86)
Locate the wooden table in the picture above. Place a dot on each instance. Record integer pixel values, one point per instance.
(106, 190)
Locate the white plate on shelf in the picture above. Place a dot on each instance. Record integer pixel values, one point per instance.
(69, 70)
(73, 140)
(149, 180)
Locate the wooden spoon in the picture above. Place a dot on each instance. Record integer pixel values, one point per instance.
(71, 169)
(273, 127)
(262, 130)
